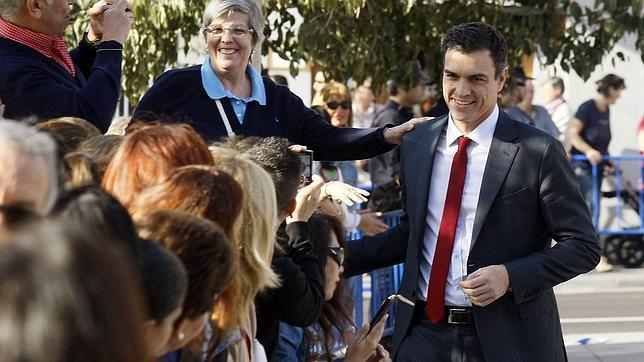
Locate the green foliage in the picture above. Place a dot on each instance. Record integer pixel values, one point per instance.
(362, 38)
(373, 37)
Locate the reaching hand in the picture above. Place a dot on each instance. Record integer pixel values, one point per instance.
(486, 285)
(307, 200)
(117, 20)
(340, 191)
(370, 224)
(394, 135)
(365, 345)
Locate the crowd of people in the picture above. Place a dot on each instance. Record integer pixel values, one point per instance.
(191, 232)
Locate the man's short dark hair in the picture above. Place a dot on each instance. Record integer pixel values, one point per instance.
(275, 156)
(472, 37)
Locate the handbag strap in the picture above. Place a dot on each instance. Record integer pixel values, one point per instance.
(224, 117)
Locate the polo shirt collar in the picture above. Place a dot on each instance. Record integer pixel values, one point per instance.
(215, 88)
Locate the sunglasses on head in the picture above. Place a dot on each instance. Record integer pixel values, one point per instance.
(335, 105)
(337, 254)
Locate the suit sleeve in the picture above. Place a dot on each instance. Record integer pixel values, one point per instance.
(568, 220)
(382, 250)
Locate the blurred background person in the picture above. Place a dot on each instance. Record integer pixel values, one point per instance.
(365, 107)
(590, 135)
(553, 90)
(398, 109)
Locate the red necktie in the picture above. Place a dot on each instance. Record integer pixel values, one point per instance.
(435, 308)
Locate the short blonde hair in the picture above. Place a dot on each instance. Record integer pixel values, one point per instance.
(334, 90)
(256, 240)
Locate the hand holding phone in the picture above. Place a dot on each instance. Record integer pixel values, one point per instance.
(306, 157)
(386, 306)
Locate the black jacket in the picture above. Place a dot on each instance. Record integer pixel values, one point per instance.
(299, 299)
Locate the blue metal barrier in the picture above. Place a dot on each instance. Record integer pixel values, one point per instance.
(617, 162)
(382, 282)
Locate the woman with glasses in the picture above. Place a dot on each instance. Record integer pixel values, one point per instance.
(226, 95)
(333, 337)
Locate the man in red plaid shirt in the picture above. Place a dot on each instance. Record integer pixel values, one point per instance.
(40, 77)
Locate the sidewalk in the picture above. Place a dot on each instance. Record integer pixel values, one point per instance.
(618, 279)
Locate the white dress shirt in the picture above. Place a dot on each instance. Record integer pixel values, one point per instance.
(477, 153)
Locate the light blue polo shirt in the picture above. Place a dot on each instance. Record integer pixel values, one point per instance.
(215, 89)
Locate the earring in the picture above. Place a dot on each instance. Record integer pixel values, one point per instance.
(181, 336)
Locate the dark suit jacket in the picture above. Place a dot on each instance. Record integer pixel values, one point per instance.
(529, 196)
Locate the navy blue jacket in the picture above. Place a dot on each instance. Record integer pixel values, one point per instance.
(179, 93)
(34, 85)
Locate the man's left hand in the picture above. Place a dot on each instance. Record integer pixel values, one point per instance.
(486, 285)
(394, 135)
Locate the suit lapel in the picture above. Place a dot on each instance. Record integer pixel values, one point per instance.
(499, 160)
(419, 152)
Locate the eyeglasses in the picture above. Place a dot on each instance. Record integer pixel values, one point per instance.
(335, 105)
(337, 253)
(237, 31)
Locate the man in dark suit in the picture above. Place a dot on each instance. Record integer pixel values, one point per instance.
(483, 197)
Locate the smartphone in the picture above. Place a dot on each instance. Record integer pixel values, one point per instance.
(306, 157)
(384, 308)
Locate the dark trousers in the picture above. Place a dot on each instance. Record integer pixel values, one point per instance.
(440, 342)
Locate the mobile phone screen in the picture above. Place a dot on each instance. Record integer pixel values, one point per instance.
(384, 308)
(306, 157)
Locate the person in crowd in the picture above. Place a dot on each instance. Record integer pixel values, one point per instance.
(256, 242)
(553, 90)
(328, 338)
(479, 263)
(148, 155)
(225, 95)
(204, 191)
(397, 110)
(68, 295)
(319, 82)
(71, 131)
(164, 284)
(93, 208)
(336, 106)
(101, 150)
(524, 111)
(590, 134)
(640, 136)
(42, 78)
(211, 262)
(30, 168)
(81, 170)
(299, 297)
(365, 107)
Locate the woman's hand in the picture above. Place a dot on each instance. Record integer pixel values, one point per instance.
(307, 200)
(364, 347)
(394, 135)
(340, 191)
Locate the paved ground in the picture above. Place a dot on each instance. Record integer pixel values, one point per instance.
(602, 316)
